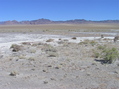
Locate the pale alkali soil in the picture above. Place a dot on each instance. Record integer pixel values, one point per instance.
(51, 59)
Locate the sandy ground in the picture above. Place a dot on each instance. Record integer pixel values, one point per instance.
(54, 62)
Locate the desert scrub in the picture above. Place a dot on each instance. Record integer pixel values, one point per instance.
(50, 40)
(96, 54)
(100, 47)
(15, 47)
(93, 42)
(48, 48)
(107, 54)
(84, 42)
(88, 42)
(74, 38)
(110, 55)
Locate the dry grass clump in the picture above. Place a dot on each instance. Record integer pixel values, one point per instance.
(50, 40)
(98, 50)
(50, 48)
(88, 42)
(15, 47)
(84, 42)
(93, 42)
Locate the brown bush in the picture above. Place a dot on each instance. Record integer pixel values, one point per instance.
(74, 38)
(15, 47)
(50, 40)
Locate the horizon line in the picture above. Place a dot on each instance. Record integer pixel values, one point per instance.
(58, 20)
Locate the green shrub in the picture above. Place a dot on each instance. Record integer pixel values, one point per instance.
(110, 55)
(100, 47)
(106, 54)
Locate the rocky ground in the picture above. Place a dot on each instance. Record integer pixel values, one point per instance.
(56, 62)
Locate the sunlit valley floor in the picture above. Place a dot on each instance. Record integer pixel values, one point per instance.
(57, 57)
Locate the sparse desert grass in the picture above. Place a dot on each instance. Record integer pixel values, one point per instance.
(67, 49)
(88, 42)
(69, 63)
(48, 47)
(84, 42)
(66, 61)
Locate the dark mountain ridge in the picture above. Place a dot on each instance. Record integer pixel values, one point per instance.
(47, 21)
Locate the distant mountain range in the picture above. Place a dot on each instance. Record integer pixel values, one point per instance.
(47, 21)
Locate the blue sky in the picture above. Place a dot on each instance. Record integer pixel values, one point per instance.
(59, 9)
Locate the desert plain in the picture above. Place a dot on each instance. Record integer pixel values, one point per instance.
(57, 56)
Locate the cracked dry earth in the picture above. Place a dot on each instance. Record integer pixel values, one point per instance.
(37, 65)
